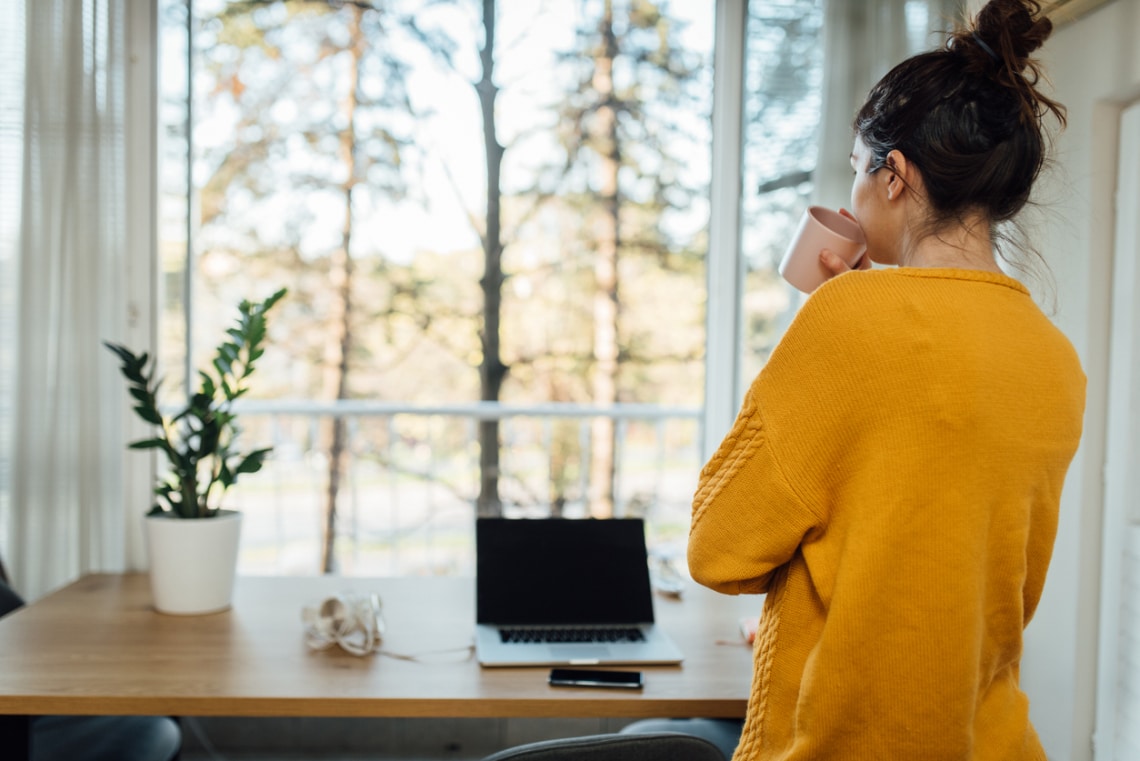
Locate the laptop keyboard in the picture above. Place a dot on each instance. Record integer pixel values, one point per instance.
(604, 634)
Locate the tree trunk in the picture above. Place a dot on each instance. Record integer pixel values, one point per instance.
(492, 371)
(335, 380)
(603, 378)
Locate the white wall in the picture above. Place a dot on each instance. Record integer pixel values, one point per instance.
(1095, 67)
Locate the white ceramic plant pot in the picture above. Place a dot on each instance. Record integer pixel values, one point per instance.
(192, 562)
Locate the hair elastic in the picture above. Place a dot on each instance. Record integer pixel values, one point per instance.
(985, 47)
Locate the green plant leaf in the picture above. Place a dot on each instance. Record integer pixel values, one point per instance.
(222, 366)
(148, 444)
(149, 414)
(208, 388)
(226, 477)
(208, 439)
(253, 461)
(122, 352)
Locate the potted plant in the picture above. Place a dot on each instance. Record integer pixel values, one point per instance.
(192, 541)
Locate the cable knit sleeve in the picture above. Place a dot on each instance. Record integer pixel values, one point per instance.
(760, 495)
(747, 521)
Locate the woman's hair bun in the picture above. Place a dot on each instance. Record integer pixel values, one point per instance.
(999, 42)
(1013, 30)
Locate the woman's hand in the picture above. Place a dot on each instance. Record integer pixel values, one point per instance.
(837, 266)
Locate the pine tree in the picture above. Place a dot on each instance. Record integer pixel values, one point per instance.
(620, 134)
(335, 137)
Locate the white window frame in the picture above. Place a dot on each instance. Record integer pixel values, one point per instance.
(724, 266)
(141, 255)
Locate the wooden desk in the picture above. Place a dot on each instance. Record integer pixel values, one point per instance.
(98, 647)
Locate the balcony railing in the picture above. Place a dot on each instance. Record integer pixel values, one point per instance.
(411, 476)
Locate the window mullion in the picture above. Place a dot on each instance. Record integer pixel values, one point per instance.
(141, 319)
(725, 272)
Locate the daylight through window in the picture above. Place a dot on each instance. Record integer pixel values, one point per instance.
(492, 219)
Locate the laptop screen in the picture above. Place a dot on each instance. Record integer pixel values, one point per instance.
(557, 571)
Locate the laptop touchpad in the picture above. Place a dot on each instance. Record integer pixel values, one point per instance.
(579, 652)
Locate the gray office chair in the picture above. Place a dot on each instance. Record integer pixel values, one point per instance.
(723, 733)
(655, 746)
(88, 738)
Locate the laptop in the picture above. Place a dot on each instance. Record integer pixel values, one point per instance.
(556, 591)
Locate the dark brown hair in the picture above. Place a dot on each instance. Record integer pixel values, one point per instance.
(969, 115)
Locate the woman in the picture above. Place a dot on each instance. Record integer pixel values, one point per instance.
(892, 481)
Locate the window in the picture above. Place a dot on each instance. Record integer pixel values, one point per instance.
(342, 150)
(783, 90)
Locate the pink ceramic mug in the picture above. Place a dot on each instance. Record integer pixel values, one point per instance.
(820, 228)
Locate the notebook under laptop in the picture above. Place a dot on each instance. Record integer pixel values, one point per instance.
(557, 591)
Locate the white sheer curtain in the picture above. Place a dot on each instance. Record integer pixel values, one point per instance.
(68, 269)
(862, 41)
(11, 141)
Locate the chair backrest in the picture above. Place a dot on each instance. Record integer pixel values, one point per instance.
(9, 600)
(648, 746)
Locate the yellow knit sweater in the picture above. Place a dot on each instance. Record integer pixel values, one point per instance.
(892, 483)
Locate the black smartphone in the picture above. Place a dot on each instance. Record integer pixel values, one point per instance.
(596, 678)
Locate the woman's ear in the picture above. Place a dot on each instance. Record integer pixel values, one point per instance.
(900, 170)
